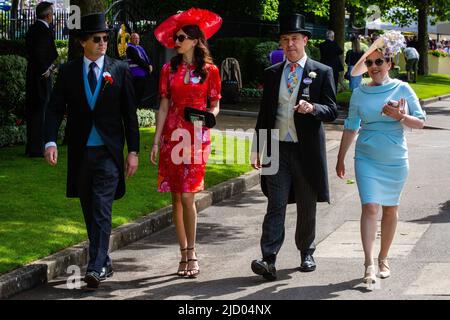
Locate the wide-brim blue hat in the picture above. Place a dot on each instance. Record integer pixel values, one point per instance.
(293, 23)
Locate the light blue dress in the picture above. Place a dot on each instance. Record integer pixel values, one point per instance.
(381, 153)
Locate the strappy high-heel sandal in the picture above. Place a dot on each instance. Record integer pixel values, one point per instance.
(182, 271)
(383, 268)
(370, 274)
(192, 272)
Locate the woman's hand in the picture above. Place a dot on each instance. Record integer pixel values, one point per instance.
(154, 154)
(396, 113)
(340, 169)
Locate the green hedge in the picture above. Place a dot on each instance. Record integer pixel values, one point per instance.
(241, 49)
(13, 47)
(252, 55)
(146, 118)
(12, 82)
(251, 92)
(62, 44)
(12, 134)
(438, 53)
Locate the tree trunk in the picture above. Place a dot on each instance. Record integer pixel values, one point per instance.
(423, 7)
(86, 7)
(337, 24)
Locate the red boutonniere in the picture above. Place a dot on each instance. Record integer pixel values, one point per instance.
(108, 79)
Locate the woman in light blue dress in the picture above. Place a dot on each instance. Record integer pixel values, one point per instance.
(381, 154)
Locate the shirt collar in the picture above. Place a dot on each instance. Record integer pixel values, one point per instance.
(99, 62)
(300, 62)
(44, 22)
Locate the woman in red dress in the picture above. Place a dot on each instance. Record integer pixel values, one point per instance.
(189, 80)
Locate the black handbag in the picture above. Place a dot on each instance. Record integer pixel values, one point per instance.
(207, 118)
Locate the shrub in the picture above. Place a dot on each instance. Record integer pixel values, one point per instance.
(12, 135)
(12, 82)
(12, 132)
(312, 52)
(13, 47)
(241, 49)
(251, 92)
(438, 53)
(262, 52)
(63, 54)
(146, 118)
(60, 44)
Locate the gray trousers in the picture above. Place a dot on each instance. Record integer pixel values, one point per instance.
(278, 187)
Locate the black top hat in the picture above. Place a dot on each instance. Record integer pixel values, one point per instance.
(93, 23)
(293, 23)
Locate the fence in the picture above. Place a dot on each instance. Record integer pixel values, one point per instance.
(16, 28)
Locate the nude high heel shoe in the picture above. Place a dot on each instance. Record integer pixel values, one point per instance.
(383, 268)
(370, 275)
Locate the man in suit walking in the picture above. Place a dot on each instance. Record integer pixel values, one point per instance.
(298, 95)
(329, 55)
(97, 94)
(41, 51)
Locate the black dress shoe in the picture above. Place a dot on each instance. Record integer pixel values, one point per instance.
(106, 272)
(92, 279)
(308, 264)
(265, 269)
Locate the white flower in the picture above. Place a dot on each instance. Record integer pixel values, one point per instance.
(393, 42)
(312, 75)
(106, 74)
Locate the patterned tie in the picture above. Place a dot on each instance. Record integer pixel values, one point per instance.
(92, 78)
(292, 79)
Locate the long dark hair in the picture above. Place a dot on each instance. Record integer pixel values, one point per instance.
(201, 52)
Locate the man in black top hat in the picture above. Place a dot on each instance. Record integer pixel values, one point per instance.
(298, 95)
(97, 94)
(41, 51)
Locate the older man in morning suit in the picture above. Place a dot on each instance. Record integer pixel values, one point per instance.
(298, 95)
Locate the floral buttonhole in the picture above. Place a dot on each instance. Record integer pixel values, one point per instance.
(108, 79)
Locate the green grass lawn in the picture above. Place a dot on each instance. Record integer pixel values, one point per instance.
(37, 219)
(426, 87)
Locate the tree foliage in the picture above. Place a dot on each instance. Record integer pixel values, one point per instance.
(256, 9)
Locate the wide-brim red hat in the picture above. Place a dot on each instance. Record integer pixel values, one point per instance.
(209, 22)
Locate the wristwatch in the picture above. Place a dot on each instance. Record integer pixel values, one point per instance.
(134, 153)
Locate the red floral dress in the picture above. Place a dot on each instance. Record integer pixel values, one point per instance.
(182, 164)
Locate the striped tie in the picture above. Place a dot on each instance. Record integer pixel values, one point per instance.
(292, 78)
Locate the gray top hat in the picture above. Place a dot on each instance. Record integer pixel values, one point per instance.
(93, 23)
(293, 23)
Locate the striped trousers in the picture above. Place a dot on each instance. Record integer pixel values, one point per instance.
(278, 188)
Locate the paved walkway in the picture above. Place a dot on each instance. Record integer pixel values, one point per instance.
(229, 233)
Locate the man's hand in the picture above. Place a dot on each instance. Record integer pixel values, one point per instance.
(255, 161)
(150, 68)
(131, 165)
(47, 73)
(304, 107)
(51, 155)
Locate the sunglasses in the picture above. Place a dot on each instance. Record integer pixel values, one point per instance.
(180, 38)
(97, 39)
(379, 62)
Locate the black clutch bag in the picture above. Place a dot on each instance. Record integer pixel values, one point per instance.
(207, 118)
